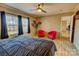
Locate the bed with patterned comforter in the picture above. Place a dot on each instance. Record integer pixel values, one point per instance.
(26, 46)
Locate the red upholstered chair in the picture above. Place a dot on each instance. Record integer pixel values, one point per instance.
(41, 33)
(52, 34)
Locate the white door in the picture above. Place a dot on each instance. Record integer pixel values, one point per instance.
(64, 29)
(76, 34)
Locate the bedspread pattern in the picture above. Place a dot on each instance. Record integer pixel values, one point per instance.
(26, 46)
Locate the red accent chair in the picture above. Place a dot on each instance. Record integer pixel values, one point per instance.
(52, 34)
(41, 33)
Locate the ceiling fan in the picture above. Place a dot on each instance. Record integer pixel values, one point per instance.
(39, 8)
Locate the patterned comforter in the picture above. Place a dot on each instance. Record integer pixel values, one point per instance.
(26, 46)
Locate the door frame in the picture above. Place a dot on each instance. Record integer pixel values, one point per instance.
(75, 17)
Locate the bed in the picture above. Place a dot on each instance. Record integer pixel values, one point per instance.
(27, 46)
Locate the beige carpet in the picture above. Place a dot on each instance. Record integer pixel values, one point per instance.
(65, 48)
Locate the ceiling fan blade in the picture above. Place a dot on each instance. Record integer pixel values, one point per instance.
(43, 11)
(33, 9)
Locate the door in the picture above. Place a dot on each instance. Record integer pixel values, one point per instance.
(76, 34)
(64, 32)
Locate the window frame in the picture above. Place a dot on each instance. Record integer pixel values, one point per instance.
(12, 28)
(24, 25)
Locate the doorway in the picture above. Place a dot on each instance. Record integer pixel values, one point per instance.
(65, 31)
(66, 25)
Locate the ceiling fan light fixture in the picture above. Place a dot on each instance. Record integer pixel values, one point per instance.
(39, 10)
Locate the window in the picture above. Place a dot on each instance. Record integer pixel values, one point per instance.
(25, 24)
(12, 24)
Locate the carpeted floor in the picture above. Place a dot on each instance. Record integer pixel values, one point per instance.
(65, 48)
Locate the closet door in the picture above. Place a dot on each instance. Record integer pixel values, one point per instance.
(76, 34)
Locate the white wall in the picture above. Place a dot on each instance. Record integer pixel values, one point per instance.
(50, 23)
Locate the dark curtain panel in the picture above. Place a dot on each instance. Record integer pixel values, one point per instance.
(20, 28)
(28, 25)
(4, 33)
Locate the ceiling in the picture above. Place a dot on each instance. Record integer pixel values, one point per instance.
(51, 8)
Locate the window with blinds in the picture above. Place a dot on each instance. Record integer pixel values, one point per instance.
(25, 24)
(12, 24)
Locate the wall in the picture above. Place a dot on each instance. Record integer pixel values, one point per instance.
(15, 11)
(53, 22)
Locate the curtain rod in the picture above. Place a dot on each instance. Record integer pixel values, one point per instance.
(15, 14)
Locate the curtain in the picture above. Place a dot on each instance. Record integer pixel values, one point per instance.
(20, 28)
(28, 24)
(4, 33)
(0, 25)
